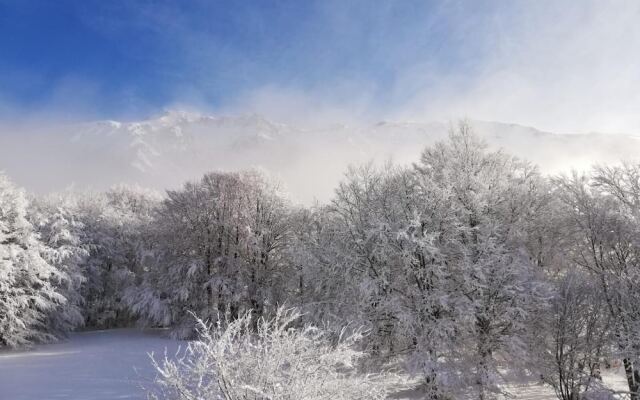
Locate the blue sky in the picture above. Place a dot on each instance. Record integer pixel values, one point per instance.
(130, 56)
(379, 59)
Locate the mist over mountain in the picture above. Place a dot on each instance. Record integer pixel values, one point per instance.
(164, 151)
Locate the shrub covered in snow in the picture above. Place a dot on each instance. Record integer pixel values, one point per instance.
(268, 359)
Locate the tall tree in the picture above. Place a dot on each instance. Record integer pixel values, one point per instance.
(440, 256)
(115, 232)
(62, 232)
(27, 293)
(575, 338)
(221, 244)
(603, 212)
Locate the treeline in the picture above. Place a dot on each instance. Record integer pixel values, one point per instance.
(465, 265)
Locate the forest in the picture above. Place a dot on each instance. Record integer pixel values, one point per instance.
(459, 272)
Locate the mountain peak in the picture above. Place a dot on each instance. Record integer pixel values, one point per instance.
(164, 150)
(177, 116)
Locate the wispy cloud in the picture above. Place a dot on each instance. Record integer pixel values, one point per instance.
(562, 66)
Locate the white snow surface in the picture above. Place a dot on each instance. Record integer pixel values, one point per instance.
(96, 365)
(115, 364)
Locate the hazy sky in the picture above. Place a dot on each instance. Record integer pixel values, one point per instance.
(566, 66)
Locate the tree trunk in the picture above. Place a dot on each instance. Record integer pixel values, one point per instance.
(632, 379)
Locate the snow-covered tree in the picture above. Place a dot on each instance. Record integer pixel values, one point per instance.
(321, 286)
(602, 212)
(116, 234)
(478, 204)
(27, 290)
(574, 340)
(440, 258)
(60, 230)
(220, 248)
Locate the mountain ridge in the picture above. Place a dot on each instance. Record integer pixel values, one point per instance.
(163, 151)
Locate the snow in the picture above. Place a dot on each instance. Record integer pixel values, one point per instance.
(98, 365)
(114, 364)
(613, 379)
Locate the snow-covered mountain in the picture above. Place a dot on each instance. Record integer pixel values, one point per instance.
(162, 152)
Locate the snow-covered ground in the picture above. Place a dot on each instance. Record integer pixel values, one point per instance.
(614, 379)
(98, 365)
(114, 364)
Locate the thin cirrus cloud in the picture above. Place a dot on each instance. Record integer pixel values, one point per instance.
(556, 65)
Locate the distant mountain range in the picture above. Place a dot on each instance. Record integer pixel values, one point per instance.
(164, 151)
